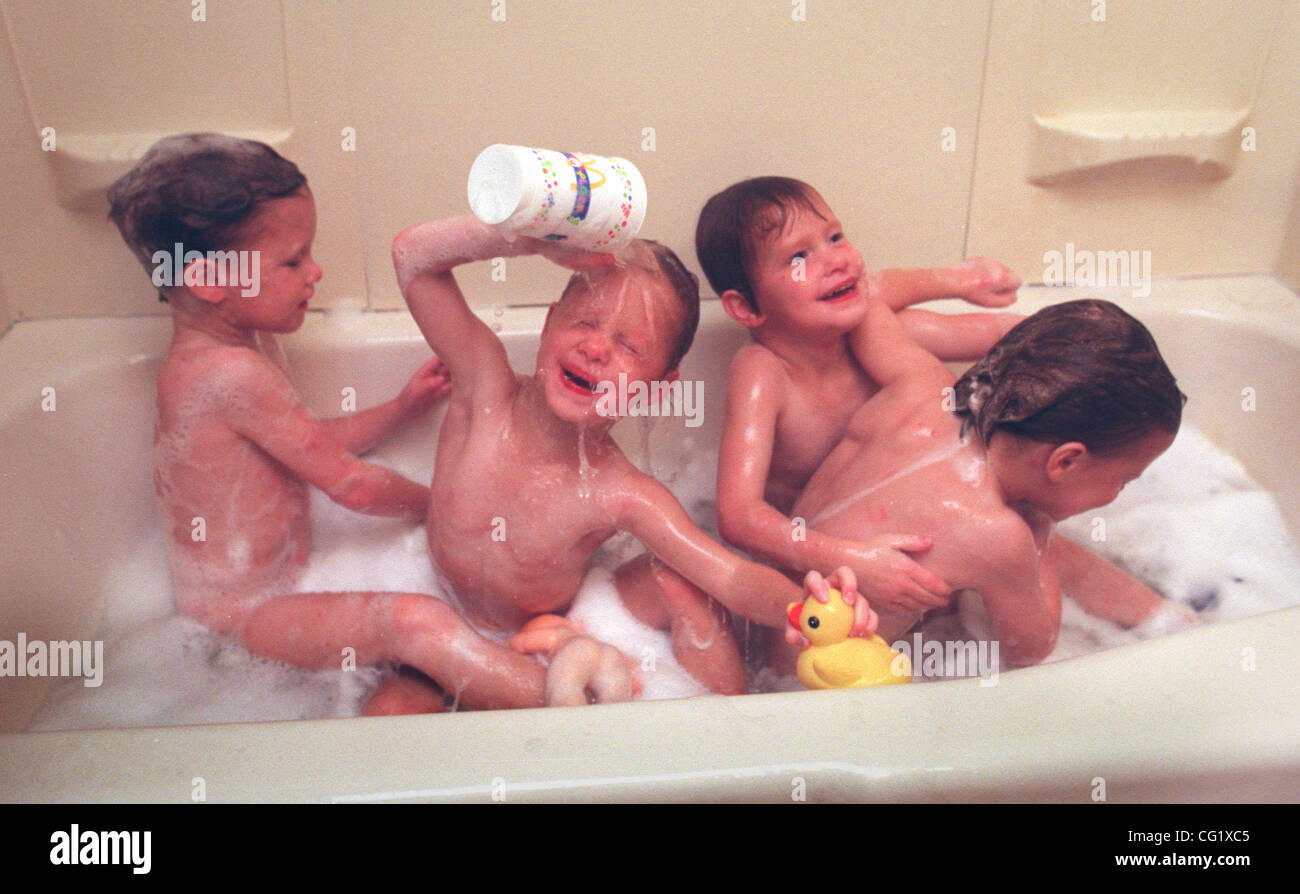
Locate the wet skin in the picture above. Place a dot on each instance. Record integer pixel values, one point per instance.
(793, 392)
(989, 512)
(235, 448)
(528, 482)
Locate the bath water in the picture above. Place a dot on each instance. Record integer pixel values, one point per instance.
(1194, 526)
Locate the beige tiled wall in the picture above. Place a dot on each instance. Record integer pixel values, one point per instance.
(1230, 225)
(913, 119)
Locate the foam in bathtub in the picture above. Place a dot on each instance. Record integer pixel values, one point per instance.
(174, 671)
(602, 615)
(1194, 526)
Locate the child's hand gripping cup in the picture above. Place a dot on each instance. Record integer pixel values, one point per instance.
(587, 201)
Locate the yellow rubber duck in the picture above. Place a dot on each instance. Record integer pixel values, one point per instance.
(834, 660)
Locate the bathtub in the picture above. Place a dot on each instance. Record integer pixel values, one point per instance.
(1175, 718)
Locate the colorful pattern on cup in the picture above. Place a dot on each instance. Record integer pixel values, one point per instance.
(550, 180)
(625, 207)
(582, 185)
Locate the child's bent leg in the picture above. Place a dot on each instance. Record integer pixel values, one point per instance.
(312, 630)
(403, 693)
(703, 643)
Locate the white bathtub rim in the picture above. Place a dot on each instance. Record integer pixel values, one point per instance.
(1061, 720)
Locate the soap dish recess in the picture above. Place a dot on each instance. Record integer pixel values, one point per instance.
(1190, 145)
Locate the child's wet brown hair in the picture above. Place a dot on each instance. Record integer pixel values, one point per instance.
(733, 222)
(685, 286)
(1081, 371)
(197, 189)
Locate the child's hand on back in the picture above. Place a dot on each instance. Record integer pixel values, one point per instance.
(430, 384)
(893, 581)
(988, 283)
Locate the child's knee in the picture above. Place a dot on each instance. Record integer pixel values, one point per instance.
(640, 589)
(403, 694)
(420, 613)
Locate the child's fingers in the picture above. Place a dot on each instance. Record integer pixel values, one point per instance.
(911, 543)
(844, 580)
(816, 586)
(1001, 298)
(922, 598)
(917, 576)
(567, 255)
(431, 367)
(865, 619)
(928, 584)
(923, 578)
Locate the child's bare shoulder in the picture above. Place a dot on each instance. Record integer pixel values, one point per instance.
(623, 486)
(209, 376)
(1002, 543)
(754, 365)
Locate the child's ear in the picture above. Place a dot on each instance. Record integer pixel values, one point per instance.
(737, 307)
(197, 277)
(661, 384)
(1064, 459)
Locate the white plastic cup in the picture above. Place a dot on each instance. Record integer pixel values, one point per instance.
(590, 201)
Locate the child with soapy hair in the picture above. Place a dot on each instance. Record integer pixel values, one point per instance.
(235, 449)
(528, 482)
(780, 263)
(1066, 409)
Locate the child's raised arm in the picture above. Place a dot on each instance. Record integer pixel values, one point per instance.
(423, 257)
(886, 576)
(981, 281)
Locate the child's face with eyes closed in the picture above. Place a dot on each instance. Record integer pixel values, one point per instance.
(617, 321)
(281, 233)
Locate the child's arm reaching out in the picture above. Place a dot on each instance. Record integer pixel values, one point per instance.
(360, 431)
(981, 281)
(651, 513)
(1106, 591)
(957, 337)
(952, 337)
(259, 404)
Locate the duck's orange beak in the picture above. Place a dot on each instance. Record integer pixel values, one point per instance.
(793, 611)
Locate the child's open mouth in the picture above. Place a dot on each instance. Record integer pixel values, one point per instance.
(844, 291)
(577, 383)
